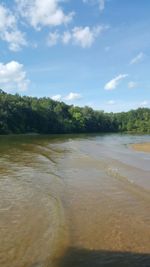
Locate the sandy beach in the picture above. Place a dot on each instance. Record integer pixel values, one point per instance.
(145, 147)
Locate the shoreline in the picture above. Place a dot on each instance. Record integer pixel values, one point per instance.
(142, 147)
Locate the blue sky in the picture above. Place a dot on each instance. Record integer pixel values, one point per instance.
(83, 52)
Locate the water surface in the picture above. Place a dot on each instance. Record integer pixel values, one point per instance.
(68, 201)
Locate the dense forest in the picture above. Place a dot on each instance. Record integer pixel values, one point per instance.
(44, 115)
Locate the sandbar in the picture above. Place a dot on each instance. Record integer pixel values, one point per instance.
(144, 147)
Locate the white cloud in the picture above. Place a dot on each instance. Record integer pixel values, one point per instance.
(115, 82)
(101, 3)
(137, 59)
(72, 96)
(9, 31)
(84, 36)
(41, 13)
(132, 85)
(13, 76)
(57, 97)
(81, 36)
(53, 38)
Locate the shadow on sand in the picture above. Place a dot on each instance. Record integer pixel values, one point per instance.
(76, 257)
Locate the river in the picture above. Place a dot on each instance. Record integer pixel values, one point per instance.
(74, 201)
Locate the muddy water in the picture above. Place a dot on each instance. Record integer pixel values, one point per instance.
(74, 201)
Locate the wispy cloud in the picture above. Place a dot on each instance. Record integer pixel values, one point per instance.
(81, 36)
(53, 38)
(66, 37)
(112, 84)
(111, 102)
(144, 103)
(138, 58)
(100, 3)
(132, 85)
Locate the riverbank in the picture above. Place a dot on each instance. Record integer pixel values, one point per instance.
(143, 147)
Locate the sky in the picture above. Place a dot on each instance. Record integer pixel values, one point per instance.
(82, 52)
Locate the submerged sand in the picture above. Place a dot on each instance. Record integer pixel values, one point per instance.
(145, 147)
(73, 202)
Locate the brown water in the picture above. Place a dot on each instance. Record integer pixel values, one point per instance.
(72, 201)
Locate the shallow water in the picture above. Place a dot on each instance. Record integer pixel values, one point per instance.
(71, 201)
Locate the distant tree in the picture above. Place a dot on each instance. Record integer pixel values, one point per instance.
(44, 115)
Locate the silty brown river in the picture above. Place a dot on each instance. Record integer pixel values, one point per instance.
(74, 201)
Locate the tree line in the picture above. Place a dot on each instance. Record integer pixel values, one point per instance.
(24, 114)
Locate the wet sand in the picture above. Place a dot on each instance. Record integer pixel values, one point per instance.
(143, 147)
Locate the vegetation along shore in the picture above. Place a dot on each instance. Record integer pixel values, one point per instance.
(24, 114)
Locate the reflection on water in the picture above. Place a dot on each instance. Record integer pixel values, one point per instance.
(74, 201)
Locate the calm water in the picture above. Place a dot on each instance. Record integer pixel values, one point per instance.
(74, 201)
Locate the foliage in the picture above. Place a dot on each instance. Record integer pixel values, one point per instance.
(44, 115)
